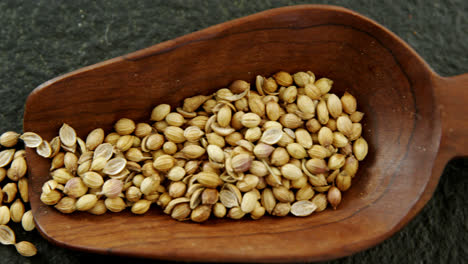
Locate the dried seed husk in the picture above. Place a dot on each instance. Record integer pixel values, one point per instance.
(201, 213)
(51, 198)
(31, 139)
(16, 211)
(6, 156)
(124, 143)
(164, 163)
(2, 175)
(301, 78)
(133, 194)
(291, 121)
(303, 138)
(331, 178)
(324, 84)
(55, 145)
(196, 197)
(322, 112)
(160, 112)
(7, 236)
(224, 116)
(339, 140)
(351, 166)
(57, 161)
(94, 138)
(98, 164)
(283, 194)
(9, 192)
(313, 125)
(318, 151)
(303, 208)
(271, 136)
(241, 162)
(169, 148)
(44, 149)
(98, 209)
(27, 221)
(124, 126)
(104, 151)
(4, 215)
(249, 146)
(174, 134)
(268, 200)
(26, 249)
(248, 183)
(92, 179)
(86, 202)
(141, 207)
(289, 94)
(75, 188)
(219, 210)
(344, 125)
(112, 188)
(291, 172)
(320, 200)
(173, 203)
(115, 204)
(263, 151)
(193, 103)
(299, 183)
(21, 153)
(149, 185)
(18, 169)
(9, 139)
(258, 168)
(356, 117)
(356, 131)
(306, 105)
(176, 173)
(306, 192)
(70, 161)
(258, 212)
(193, 151)
(215, 153)
(235, 213)
(343, 181)
(273, 110)
(177, 189)
(249, 201)
(312, 91)
(334, 197)
(209, 179)
(331, 124)
(67, 135)
(279, 157)
(281, 209)
(349, 103)
(175, 119)
(66, 205)
(336, 161)
(296, 151)
(180, 212)
(256, 104)
(334, 106)
(360, 148)
(283, 78)
(114, 166)
(325, 136)
(315, 166)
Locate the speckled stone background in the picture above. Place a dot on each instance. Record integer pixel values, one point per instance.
(42, 39)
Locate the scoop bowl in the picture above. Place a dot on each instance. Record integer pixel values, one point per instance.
(415, 122)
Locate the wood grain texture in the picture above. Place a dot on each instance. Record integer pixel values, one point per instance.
(393, 85)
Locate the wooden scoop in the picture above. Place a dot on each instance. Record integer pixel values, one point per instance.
(415, 122)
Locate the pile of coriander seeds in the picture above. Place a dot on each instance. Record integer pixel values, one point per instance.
(285, 145)
(14, 197)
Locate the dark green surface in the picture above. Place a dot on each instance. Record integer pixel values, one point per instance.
(42, 39)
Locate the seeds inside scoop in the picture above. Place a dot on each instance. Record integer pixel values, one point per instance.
(286, 145)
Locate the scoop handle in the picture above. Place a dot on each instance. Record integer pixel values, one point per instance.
(452, 97)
